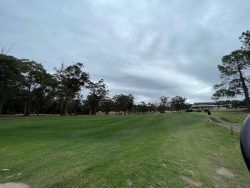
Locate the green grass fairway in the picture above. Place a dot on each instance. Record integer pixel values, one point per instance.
(168, 150)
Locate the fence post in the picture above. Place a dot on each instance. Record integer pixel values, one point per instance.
(232, 130)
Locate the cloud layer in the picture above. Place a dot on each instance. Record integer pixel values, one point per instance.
(147, 48)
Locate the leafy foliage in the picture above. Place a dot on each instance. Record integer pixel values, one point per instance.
(178, 103)
(234, 70)
(124, 102)
(26, 87)
(163, 104)
(70, 80)
(98, 92)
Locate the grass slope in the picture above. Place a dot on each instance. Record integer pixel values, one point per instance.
(169, 150)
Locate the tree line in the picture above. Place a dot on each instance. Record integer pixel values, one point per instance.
(27, 88)
(234, 72)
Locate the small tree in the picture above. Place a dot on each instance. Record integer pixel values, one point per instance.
(34, 77)
(43, 91)
(178, 103)
(163, 104)
(142, 107)
(107, 105)
(98, 92)
(152, 107)
(70, 80)
(124, 102)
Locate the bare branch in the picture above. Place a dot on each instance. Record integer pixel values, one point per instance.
(5, 49)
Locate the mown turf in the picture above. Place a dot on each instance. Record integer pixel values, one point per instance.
(231, 117)
(169, 150)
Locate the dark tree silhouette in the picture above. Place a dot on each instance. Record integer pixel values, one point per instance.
(70, 81)
(124, 102)
(34, 78)
(178, 103)
(10, 78)
(233, 72)
(98, 92)
(163, 104)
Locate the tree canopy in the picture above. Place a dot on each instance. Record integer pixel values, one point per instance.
(234, 72)
(178, 103)
(27, 88)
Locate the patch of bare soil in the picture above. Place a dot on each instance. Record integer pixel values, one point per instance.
(14, 185)
(222, 178)
(130, 183)
(191, 182)
(224, 172)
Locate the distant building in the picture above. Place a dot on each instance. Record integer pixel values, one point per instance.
(209, 105)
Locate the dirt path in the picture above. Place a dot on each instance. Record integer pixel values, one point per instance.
(233, 127)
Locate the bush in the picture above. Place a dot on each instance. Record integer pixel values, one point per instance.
(206, 110)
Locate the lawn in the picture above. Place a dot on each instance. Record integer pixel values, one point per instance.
(166, 150)
(231, 116)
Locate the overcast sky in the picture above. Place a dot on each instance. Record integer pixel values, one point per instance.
(148, 48)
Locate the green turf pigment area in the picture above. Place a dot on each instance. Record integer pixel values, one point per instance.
(168, 150)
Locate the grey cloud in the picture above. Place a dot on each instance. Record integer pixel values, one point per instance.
(147, 48)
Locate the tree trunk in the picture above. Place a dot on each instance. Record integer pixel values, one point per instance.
(245, 90)
(27, 105)
(247, 99)
(61, 106)
(38, 108)
(65, 112)
(1, 106)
